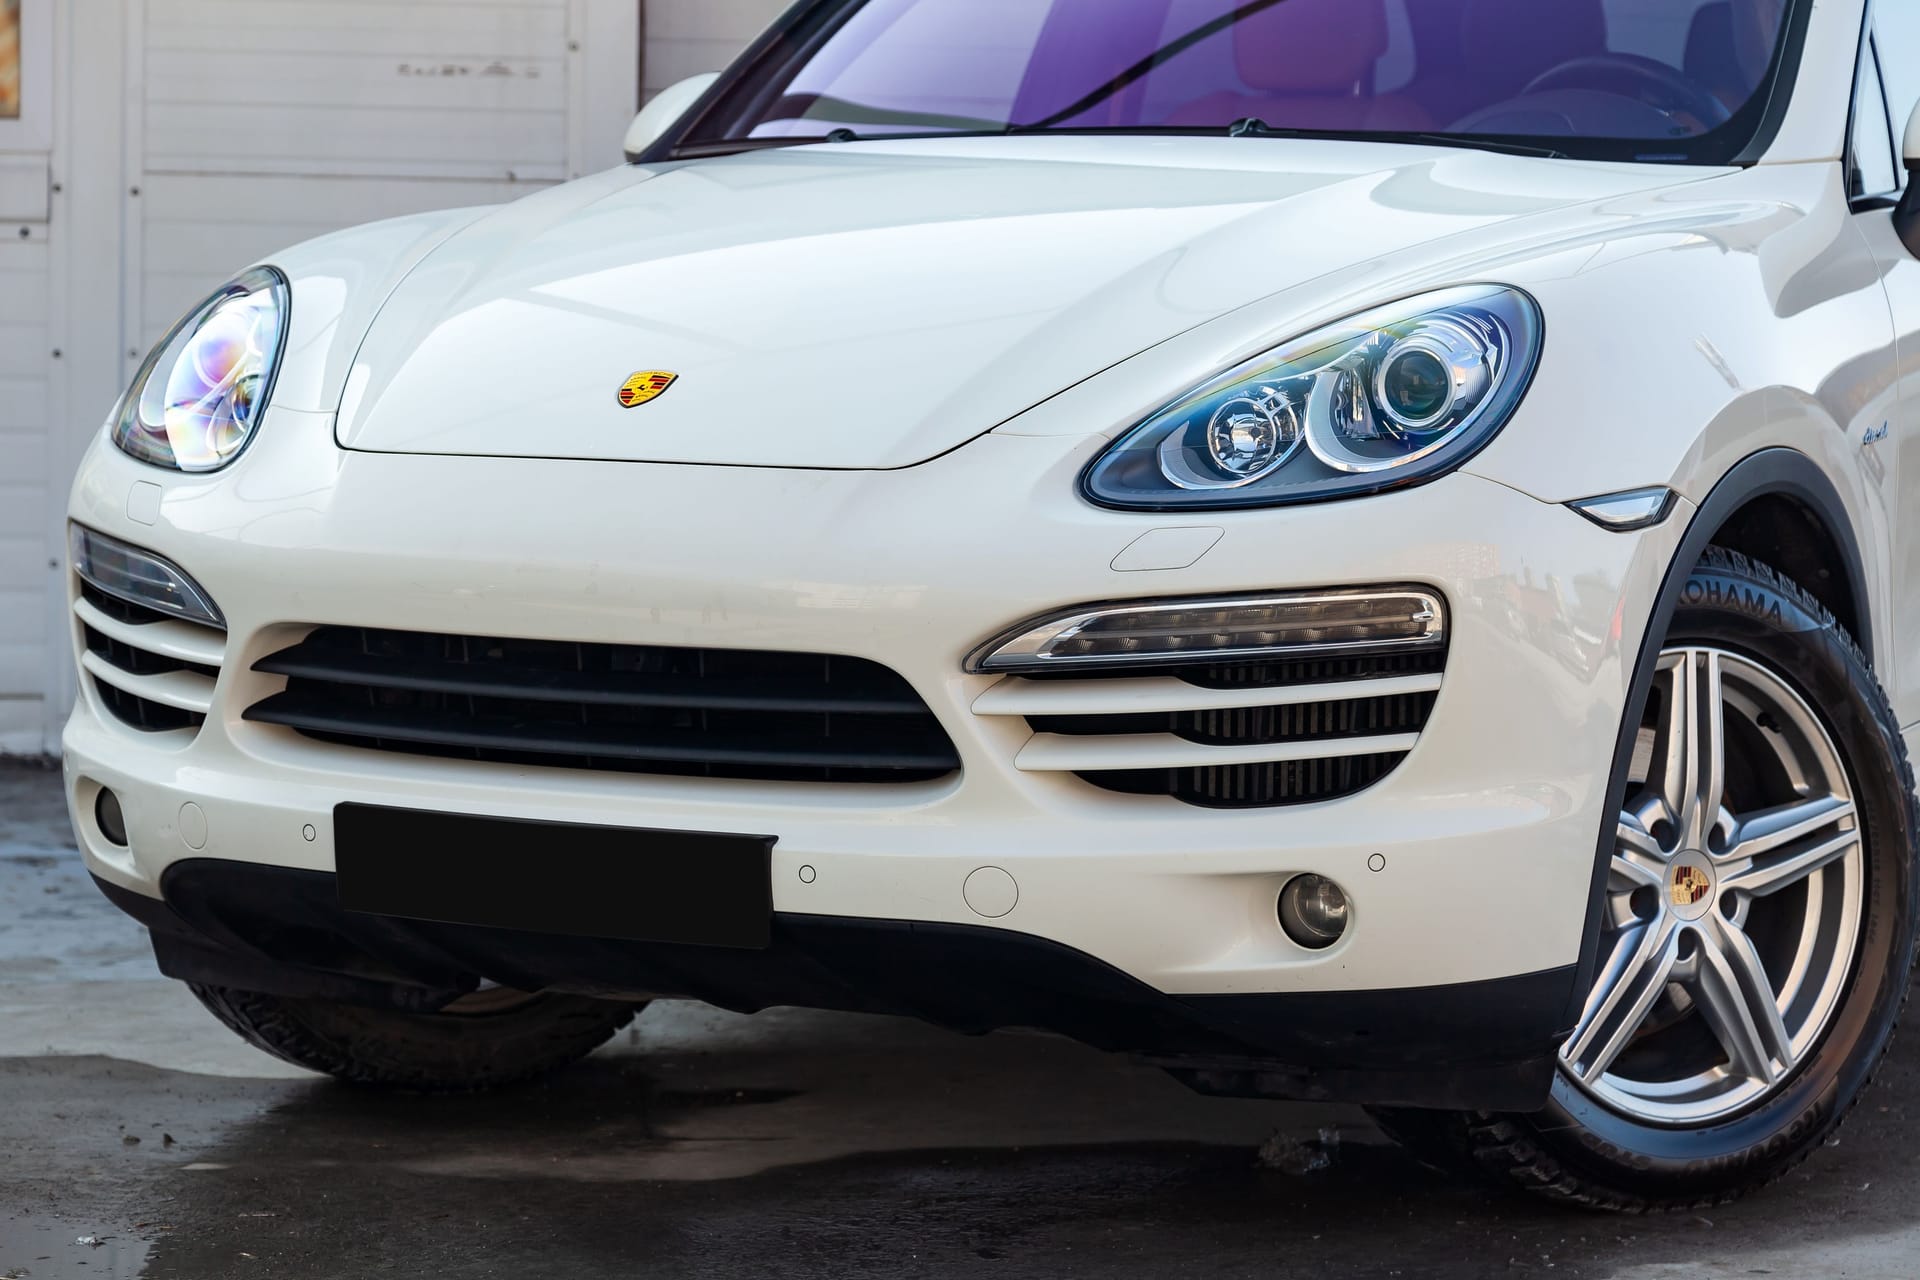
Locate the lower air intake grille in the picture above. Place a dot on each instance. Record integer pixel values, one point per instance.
(714, 713)
(151, 670)
(1228, 736)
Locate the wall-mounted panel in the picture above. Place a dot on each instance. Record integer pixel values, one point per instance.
(685, 39)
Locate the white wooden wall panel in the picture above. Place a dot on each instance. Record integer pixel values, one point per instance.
(26, 290)
(688, 37)
(313, 80)
(448, 28)
(260, 123)
(352, 141)
(24, 189)
(357, 87)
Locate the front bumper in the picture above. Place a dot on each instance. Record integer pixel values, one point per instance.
(258, 928)
(1471, 863)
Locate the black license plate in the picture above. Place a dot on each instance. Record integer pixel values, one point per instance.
(552, 877)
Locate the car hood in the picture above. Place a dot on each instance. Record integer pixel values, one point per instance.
(873, 305)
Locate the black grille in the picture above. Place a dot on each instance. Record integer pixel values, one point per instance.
(1264, 785)
(715, 713)
(1305, 722)
(152, 717)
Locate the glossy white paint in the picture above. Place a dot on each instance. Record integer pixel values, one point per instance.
(896, 360)
(913, 568)
(665, 111)
(875, 305)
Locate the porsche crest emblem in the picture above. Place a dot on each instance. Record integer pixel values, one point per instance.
(1690, 884)
(642, 387)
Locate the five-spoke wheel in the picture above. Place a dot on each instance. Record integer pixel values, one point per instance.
(1755, 924)
(1734, 900)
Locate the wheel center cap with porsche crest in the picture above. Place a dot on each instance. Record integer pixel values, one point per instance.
(1690, 884)
(642, 387)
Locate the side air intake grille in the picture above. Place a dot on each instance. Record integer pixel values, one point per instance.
(153, 671)
(1238, 735)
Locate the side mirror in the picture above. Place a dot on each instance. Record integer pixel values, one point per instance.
(1906, 219)
(664, 112)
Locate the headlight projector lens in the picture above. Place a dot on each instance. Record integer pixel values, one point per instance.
(1415, 388)
(1426, 375)
(1313, 911)
(1248, 437)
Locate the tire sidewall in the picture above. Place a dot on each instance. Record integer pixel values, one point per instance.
(421, 1052)
(1731, 606)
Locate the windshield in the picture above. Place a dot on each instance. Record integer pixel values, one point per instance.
(1666, 80)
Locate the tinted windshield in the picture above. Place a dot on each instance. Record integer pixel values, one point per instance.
(1674, 80)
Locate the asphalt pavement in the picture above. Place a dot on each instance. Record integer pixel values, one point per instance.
(138, 1138)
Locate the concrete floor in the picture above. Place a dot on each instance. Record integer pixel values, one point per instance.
(138, 1138)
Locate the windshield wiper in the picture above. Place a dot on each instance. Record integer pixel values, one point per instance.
(1255, 127)
(1251, 127)
(1479, 142)
(734, 146)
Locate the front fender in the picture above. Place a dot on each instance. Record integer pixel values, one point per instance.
(1685, 346)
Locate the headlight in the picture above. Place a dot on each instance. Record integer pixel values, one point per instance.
(199, 397)
(1395, 396)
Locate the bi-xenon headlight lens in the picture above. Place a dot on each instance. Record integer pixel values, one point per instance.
(199, 397)
(1400, 394)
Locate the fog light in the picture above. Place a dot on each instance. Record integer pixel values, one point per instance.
(1313, 911)
(108, 817)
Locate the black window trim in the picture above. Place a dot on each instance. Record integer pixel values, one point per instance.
(1868, 59)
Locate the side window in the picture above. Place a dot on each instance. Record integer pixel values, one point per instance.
(1897, 30)
(1874, 168)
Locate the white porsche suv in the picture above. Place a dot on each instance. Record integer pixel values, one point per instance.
(1354, 549)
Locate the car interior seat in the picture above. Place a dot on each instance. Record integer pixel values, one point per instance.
(1505, 45)
(1713, 58)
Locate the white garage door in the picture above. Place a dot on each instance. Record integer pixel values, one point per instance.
(27, 387)
(258, 123)
(25, 470)
(687, 37)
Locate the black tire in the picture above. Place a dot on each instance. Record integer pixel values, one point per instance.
(1581, 1152)
(455, 1052)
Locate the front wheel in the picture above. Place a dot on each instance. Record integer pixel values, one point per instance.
(1759, 920)
(486, 1040)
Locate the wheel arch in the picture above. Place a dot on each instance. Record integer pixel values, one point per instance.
(1795, 524)
(1772, 505)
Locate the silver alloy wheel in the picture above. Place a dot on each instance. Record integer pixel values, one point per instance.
(1734, 903)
